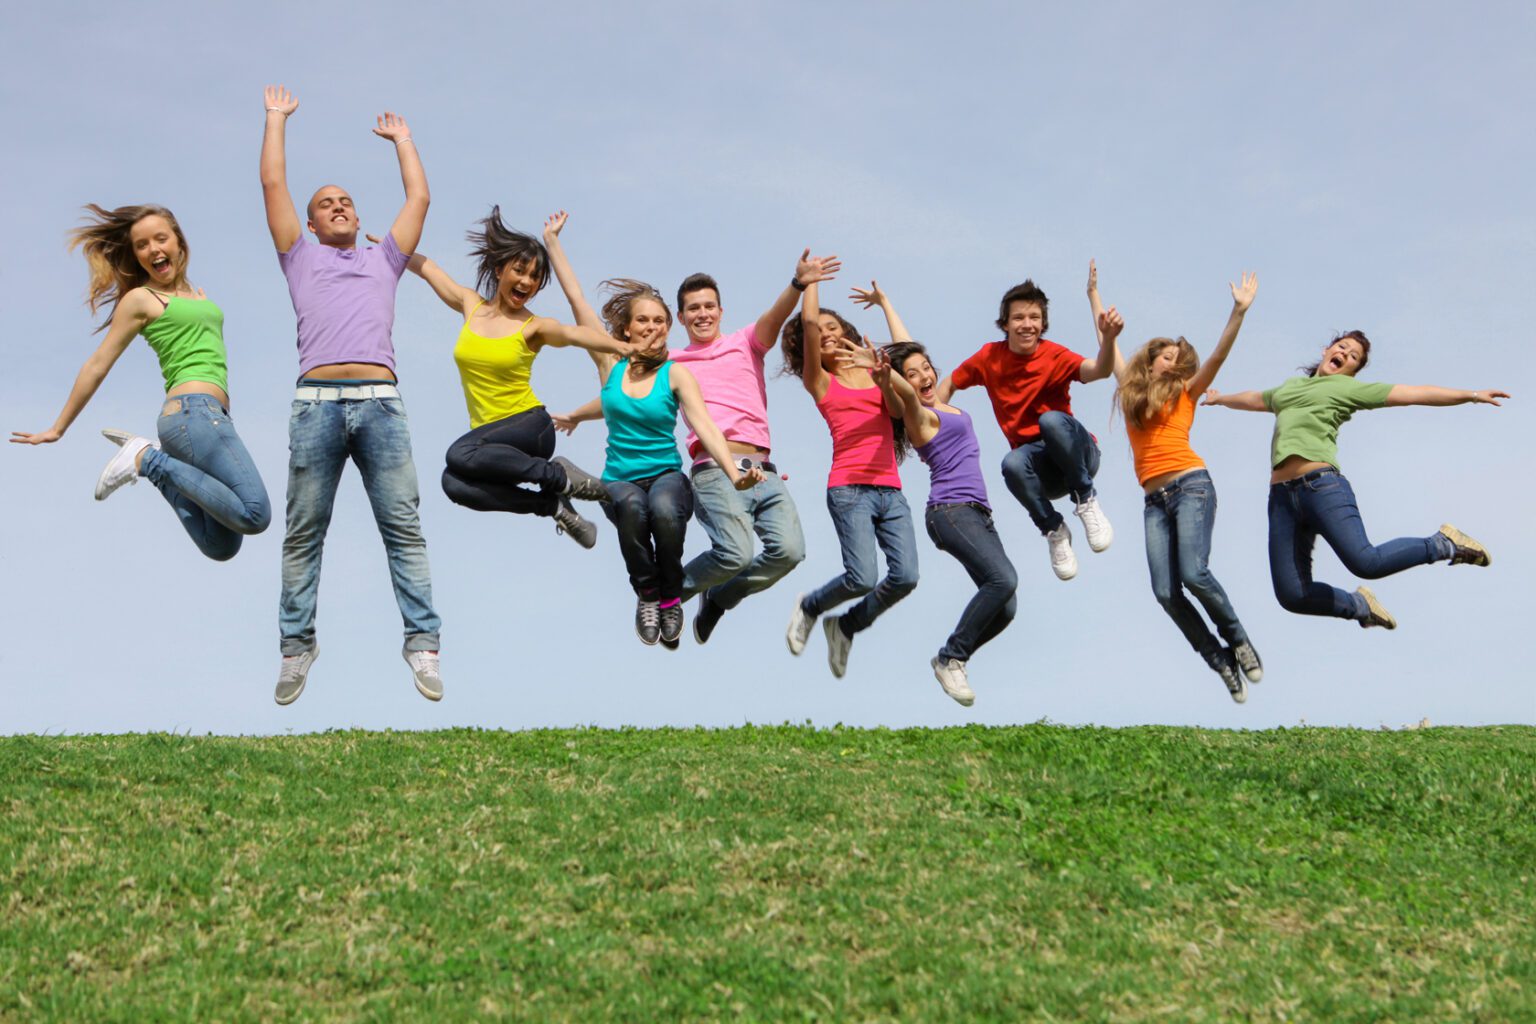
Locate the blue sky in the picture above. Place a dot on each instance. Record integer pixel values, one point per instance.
(1367, 161)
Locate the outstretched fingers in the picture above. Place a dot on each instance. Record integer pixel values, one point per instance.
(554, 222)
(279, 99)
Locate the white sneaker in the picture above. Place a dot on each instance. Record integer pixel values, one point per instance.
(800, 624)
(122, 468)
(117, 435)
(1063, 561)
(951, 675)
(1095, 525)
(837, 645)
(428, 673)
(293, 675)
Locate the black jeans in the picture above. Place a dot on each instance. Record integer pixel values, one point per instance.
(651, 516)
(488, 466)
(966, 532)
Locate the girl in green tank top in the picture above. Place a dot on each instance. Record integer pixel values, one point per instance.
(138, 261)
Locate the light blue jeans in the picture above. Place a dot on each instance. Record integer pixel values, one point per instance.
(728, 570)
(374, 434)
(1179, 520)
(204, 471)
(867, 517)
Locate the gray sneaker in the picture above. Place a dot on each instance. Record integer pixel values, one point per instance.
(1376, 615)
(671, 625)
(647, 621)
(570, 522)
(838, 644)
(1248, 661)
(1468, 551)
(293, 675)
(579, 483)
(1225, 665)
(950, 673)
(427, 671)
(800, 623)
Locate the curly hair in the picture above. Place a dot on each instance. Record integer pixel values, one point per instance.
(618, 310)
(1026, 292)
(792, 340)
(1365, 351)
(107, 242)
(1139, 395)
(496, 245)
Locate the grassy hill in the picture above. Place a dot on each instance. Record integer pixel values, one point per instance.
(1031, 873)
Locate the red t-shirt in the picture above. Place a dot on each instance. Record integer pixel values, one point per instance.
(1022, 387)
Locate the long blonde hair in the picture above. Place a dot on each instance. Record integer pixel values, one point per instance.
(107, 243)
(1139, 395)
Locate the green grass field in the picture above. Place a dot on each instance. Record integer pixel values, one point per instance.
(1031, 873)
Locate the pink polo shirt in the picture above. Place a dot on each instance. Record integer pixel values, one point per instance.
(730, 375)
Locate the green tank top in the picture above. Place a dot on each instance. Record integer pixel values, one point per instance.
(188, 339)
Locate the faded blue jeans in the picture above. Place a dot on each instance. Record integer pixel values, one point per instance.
(375, 435)
(728, 570)
(867, 517)
(204, 471)
(1062, 462)
(1179, 519)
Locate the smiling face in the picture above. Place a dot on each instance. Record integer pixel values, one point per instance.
(332, 217)
(920, 374)
(158, 249)
(1346, 355)
(647, 329)
(700, 314)
(832, 335)
(516, 283)
(1025, 324)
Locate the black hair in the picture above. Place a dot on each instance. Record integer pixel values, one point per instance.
(496, 245)
(696, 283)
(899, 352)
(792, 340)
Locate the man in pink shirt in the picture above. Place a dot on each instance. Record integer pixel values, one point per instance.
(729, 369)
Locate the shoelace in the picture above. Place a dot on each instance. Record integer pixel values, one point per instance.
(426, 663)
(291, 670)
(650, 614)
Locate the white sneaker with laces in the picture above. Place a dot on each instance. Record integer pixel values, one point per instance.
(951, 675)
(427, 670)
(838, 645)
(1063, 560)
(123, 467)
(800, 624)
(293, 675)
(1095, 525)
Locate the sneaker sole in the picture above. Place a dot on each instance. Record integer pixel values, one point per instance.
(789, 634)
(1461, 540)
(963, 700)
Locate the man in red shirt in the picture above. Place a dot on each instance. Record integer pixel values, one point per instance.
(1029, 378)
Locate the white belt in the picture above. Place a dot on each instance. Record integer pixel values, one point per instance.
(345, 393)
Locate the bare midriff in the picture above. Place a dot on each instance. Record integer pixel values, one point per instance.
(200, 387)
(351, 371)
(1164, 479)
(1293, 466)
(747, 449)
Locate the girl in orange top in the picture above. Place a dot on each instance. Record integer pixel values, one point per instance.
(1156, 394)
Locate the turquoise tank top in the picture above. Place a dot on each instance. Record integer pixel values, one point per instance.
(642, 440)
(188, 339)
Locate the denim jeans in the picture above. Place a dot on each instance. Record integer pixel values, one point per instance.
(374, 434)
(488, 465)
(1063, 461)
(1179, 519)
(204, 471)
(867, 517)
(728, 570)
(966, 533)
(1322, 503)
(651, 517)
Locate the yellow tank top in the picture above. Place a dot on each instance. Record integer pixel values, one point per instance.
(495, 373)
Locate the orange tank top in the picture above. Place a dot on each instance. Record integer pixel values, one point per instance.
(1162, 445)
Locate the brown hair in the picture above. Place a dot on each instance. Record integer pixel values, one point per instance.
(793, 341)
(1365, 351)
(624, 292)
(1026, 292)
(1139, 395)
(107, 242)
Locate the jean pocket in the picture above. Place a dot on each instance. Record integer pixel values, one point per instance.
(393, 406)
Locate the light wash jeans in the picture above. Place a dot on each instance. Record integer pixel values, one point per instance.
(867, 517)
(1179, 519)
(204, 471)
(1062, 462)
(728, 570)
(374, 434)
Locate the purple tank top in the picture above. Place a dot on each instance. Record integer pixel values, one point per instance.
(953, 458)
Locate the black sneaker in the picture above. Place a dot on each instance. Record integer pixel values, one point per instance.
(1468, 551)
(647, 622)
(671, 625)
(579, 483)
(705, 619)
(1225, 665)
(1248, 661)
(568, 521)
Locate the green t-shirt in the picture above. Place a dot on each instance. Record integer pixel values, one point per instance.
(1310, 410)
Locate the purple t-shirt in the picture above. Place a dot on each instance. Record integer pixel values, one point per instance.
(953, 458)
(345, 301)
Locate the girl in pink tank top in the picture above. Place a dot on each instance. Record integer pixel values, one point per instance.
(863, 490)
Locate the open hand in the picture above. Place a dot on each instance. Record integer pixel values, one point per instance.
(1489, 397)
(41, 437)
(278, 98)
(851, 353)
(563, 422)
(815, 269)
(868, 297)
(392, 127)
(552, 225)
(1243, 293)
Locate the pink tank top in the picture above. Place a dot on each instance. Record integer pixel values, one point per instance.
(863, 449)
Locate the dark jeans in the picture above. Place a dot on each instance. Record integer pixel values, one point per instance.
(1322, 503)
(1063, 461)
(868, 518)
(966, 532)
(488, 466)
(1179, 519)
(651, 516)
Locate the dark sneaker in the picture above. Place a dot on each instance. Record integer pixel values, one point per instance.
(647, 622)
(1376, 615)
(293, 674)
(568, 521)
(1225, 665)
(1468, 551)
(1248, 661)
(671, 625)
(705, 619)
(579, 483)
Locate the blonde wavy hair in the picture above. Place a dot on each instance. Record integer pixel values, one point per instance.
(107, 242)
(1139, 395)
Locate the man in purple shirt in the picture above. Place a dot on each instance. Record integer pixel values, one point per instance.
(347, 404)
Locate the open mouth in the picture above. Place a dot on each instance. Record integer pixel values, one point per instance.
(1336, 363)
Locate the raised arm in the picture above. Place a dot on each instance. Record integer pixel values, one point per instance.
(1096, 310)
(692, 402)
(873, 296)
(454, 295)
(560, 263)
(1109, 324)
(1430, 394)
(1242, 298)
(808, 271)
(282, 218)
(812, 374)
(1247, 401)
(135, 309)
(408, 222)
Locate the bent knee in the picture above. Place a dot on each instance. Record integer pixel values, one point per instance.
(901, 586)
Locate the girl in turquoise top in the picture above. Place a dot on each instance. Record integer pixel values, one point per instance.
(138, 261)
(1309, 497)
(651, 498)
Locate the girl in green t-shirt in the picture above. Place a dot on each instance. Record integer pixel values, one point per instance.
(1309, 497)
